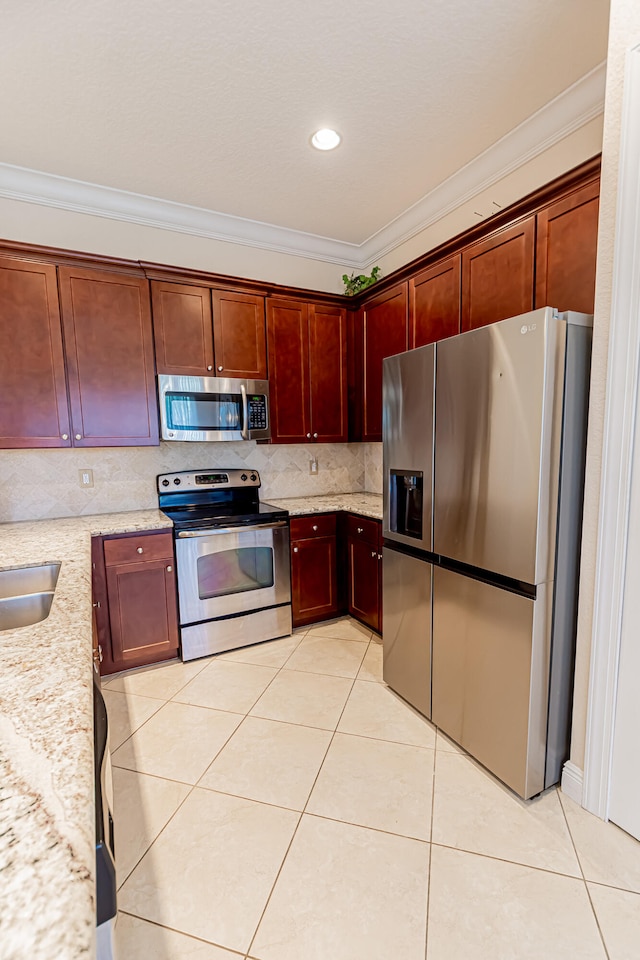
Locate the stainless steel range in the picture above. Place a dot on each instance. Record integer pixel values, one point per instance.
(232, 560)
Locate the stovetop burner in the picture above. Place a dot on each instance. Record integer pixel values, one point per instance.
(214, 498)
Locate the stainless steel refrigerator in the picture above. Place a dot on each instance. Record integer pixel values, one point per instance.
(483, 459)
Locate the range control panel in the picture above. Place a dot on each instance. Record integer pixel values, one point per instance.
(208, 480)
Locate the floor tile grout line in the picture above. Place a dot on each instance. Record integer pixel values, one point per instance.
(584, 879)
(158, 835)
(433, 804)
(302, 813)
(516, 863)
(163, 926)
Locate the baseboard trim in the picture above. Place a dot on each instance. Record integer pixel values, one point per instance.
(572, 781)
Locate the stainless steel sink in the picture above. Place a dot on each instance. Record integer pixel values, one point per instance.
(26, 595)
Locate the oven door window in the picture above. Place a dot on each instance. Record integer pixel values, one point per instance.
(204, 411)
(238, 570)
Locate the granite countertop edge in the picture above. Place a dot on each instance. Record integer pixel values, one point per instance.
(47, 813)
(365, 504)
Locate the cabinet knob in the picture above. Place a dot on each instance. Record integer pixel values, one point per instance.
(379, 556)
(99, 653)
(65, 436)
(308, 436)
(169, 569)
(220, 368)
(374, 553)
(209, 366)
(97, 603)
(140, 550)
(78, 436)
(360, 529)
(295, 549)
(315, 436)
(315, 526)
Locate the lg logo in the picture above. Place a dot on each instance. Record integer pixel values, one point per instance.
(528, 328)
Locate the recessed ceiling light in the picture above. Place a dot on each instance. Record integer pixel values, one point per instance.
(325, 139)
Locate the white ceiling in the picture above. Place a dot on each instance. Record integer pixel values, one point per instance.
(211, 102)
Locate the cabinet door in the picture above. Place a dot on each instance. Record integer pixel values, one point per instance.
(143, 612)
(34, 410)
(384, 321)
(109, 350)
(364, 582)
(566, 251)
(328, 372)
(314, 594)
(497, 276)
(182, 329)
(239, 335)
(434, 303)
(101, 607)
(288, 338)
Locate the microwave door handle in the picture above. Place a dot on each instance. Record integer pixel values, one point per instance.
(248, 528)
(245, 412)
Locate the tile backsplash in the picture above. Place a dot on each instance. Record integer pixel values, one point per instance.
(36, 484)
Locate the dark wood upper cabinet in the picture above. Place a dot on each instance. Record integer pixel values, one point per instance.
(328, 372)
(566, 251)
(239, 335)
(384, 331)
(497, 275)
(201, 332)
(34, 411)
(434, 303)
(109, 346)
(307, 371)
(182, 329)
(288, 339)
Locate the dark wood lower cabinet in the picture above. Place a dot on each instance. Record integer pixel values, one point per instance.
(314, 581)
(336, 568)
(365, 569)
(135, 587)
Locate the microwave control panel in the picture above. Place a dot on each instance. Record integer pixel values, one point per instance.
(257, 412)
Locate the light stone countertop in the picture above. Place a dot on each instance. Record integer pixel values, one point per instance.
(47, 813)
(367, 504)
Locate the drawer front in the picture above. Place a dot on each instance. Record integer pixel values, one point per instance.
(155, 546)
(318, 525)
(361, 528)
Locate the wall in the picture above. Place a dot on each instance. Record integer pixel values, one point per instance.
(38, 223)
(35, 223)
(373, 467)
(624, 33)
(35, 484)
(581, 145)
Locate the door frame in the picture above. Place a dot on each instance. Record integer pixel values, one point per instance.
(617, 482)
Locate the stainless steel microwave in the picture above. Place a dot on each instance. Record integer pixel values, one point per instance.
(213, 408)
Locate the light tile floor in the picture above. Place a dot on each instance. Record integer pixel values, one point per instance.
(279, 802)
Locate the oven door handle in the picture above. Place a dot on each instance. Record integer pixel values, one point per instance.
(245, 412)
(214, 531)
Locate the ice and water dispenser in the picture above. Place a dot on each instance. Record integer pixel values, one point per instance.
(405, 503)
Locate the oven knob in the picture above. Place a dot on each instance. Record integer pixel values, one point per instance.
(165, 483)
(253, 477)
(177, 481)
(243, 477)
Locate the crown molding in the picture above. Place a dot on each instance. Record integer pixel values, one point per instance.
(576, 106)
(558, 119)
